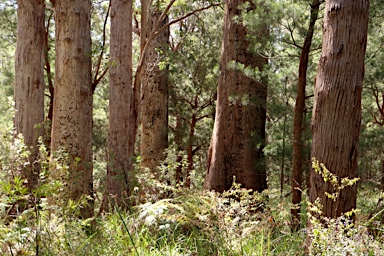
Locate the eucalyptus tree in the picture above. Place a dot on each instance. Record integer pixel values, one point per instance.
(120, 143)
(154, 84)
(194, 63)
(29, 80)
(238, 136)
(151, 78)
(72, 107)
(337, 108)
(297, 159)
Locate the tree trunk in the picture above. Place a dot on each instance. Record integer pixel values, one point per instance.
(192, 126)
(337, 107)
(154, 97)
(29, 81)
(179, 141)
(120, 144)
(72, 110)
(239, 132)
(282, 168)
(297, 160)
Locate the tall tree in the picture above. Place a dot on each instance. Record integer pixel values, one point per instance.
(154, 96)
(337, 107)
(239, 132)
(193, 82)
(72, 109)
(29, 80)
(121, 125)
(297, 163)
(152, 80)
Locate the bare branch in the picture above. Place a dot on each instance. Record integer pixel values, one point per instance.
(186, 16)
(97, 79)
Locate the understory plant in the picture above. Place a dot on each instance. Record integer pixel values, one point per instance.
(180, 222)
(342, 235)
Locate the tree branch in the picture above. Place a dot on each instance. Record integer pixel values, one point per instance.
(186, 16)
(97, 79)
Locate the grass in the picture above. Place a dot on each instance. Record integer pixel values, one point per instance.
(191, 223)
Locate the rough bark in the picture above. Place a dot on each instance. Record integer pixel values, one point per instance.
(297, 160)
(337, 107)
(72, 110)
(239, 131)
(120, 142)
(154, 97)
(29, 80)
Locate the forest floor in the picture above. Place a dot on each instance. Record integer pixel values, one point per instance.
(193, 223)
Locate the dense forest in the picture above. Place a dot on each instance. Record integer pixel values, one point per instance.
(202, 127)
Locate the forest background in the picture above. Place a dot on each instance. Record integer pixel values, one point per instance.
(162, 208)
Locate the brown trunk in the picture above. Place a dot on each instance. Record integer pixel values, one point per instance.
(154, 97)
(190, 148)
(72, 107)
(297, 163)
(29, 80)
(283, 158)
(337, 107)
(120, 144)
(239, 132)
(178, 141)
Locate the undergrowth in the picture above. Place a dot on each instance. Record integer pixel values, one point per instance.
(186, 222)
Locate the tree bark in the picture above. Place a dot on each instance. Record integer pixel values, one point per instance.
(121, 144)
(72, 110)
(179, 141)
(154, 97)
(337, 107)
(297, 160)
(29, 81)
(191, 136)
(282, 168)
(239, 132)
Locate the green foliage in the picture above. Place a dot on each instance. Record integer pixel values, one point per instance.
(7, 48)
(341, 237)
(35, 221)
(370, 146)
(192, 222)
(337, 184)
(193, 68)
(338, 236)
(189, 222)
